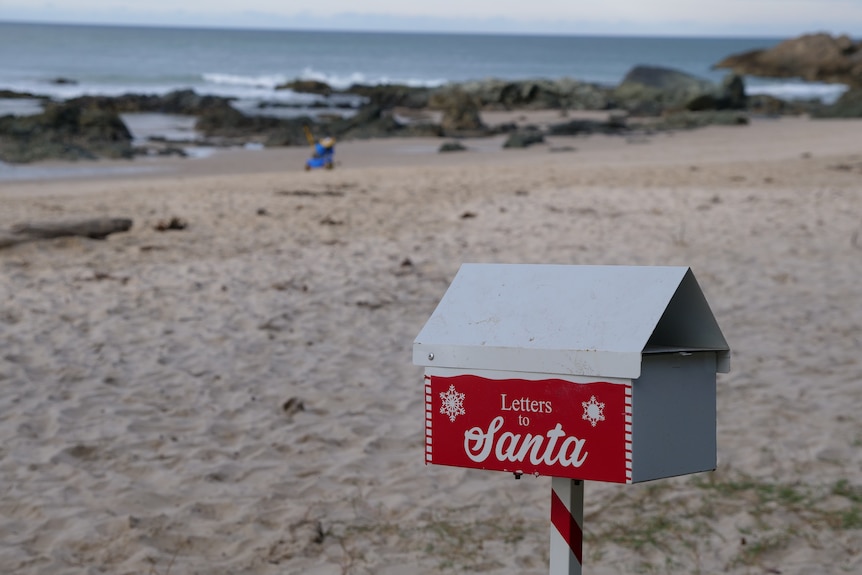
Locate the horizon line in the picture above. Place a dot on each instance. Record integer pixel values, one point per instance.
(406, 30)
(407, 25)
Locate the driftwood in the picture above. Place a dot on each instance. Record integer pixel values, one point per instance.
(97, 228)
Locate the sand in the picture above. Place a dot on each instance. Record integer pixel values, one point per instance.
(239, 397)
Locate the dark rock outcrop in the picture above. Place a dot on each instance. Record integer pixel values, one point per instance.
(495, 94)
(226, 125)
(524, 138)
(461, 115)
(651, 90)
(13, 95)
(307, 87)
(370, 122)
(812, 57)
(506, 95)
(733, 92)
(766, 105)
(666, 79)
(183, 102)
(614, 126)
(64, 131)
(90, 127)
(373, 121)
(686, 120)
(392, 95)
(451, 147)
(731, 96)
(849, 105)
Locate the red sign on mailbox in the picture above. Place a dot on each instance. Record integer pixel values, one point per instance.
(547, 427)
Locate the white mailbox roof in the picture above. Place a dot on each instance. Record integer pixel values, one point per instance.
(574, 320)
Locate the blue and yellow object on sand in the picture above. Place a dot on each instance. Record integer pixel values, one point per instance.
(323, 152)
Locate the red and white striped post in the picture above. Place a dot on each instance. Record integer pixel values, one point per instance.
(567, 521)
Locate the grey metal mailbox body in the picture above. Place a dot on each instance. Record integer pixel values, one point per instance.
(585, 372)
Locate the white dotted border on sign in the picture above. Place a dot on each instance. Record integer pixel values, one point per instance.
(628, 432)
(427, 419)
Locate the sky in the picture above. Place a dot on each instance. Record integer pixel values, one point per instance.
(778, 18)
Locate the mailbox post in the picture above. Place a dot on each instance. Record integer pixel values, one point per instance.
(602, 373)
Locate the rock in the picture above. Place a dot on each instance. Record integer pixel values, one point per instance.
(532, 94)
(166, 151)
(504, 95)
(524, 139)
(226, 125)
(576, 95)
(686, 120)
(392, 95)
(731, 96)
(65, 132)
(293, 406)
(373, 121)
(226, 122)
(665, 79)
(506, 128)
(812, 57)
(307, 87)
(495, 94)
(766, 105)
(701, 103)
(650, 90)
(183, 102)
(451, 147)
(849, 105)
(13, 95)
(618, 119)
(188, 102)
(230, 126)
(586, 127)
(172, 224)
(460, 114)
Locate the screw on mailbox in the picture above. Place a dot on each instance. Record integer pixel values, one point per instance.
(430, 357)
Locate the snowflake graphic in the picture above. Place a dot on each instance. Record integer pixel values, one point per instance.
(594, 411)
(453, 403)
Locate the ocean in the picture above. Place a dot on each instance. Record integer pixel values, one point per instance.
(249, 64)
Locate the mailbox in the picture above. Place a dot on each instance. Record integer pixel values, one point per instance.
(603, 373)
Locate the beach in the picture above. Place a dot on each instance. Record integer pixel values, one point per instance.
(238, 396)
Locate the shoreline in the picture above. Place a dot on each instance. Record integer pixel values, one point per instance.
(728, 143)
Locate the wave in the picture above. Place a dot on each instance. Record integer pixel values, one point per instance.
(796, 90)
(252, 88)
(344, 81)
(339, 81)
(264, 86)
(266, 81)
